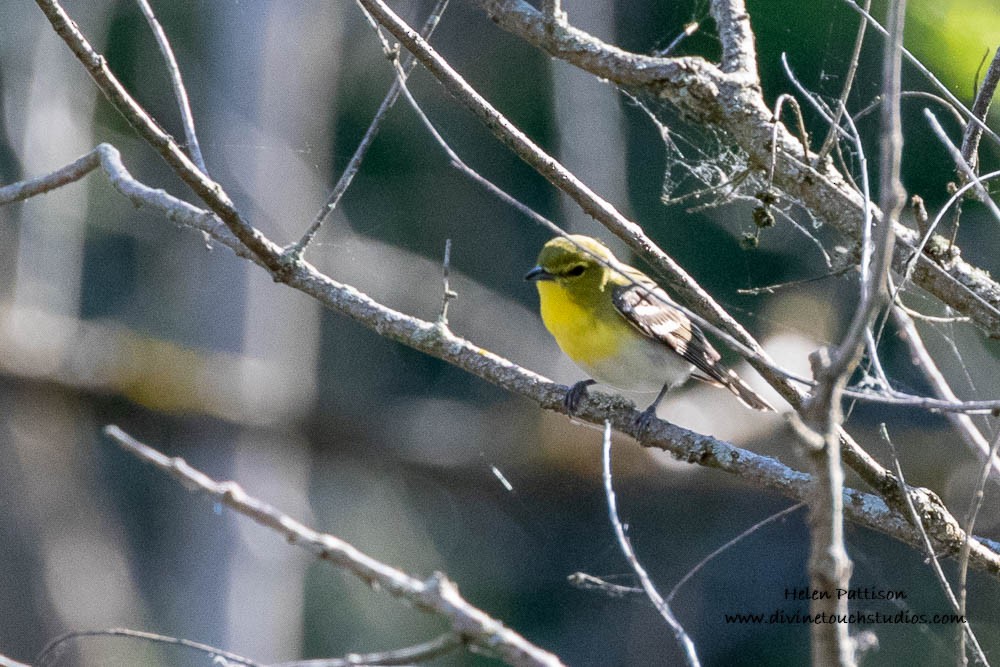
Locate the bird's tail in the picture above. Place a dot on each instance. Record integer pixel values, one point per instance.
(747, 396)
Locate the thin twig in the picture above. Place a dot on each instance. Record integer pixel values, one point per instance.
(447, 294)
(350, 171)
(177, 81)
(925, 363)
(876, 104)
(771, 289)
(728, 545)
(980, 107)
(803, 135)
(961, 164)
(589, 582)
(689, 29)
(929, 549)
(686, 645)
(841, 106)
(409, 655)
(53, 648)
(437, 594)
(970, 524)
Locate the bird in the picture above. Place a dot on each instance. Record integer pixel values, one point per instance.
(621, 328)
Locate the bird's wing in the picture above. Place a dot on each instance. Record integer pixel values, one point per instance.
(647, 307)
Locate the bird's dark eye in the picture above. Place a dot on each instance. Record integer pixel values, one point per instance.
(576, 271)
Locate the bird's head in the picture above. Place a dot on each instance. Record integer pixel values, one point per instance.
(578, 264)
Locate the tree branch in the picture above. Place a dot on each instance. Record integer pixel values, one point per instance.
(436, 595)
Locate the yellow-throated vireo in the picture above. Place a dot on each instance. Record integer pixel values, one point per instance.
(620, 327)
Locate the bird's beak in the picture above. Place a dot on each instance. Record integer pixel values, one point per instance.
(538, 273)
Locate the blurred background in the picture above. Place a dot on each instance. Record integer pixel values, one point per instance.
(110, 314)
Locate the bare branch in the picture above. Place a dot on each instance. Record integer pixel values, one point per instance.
(686, 645)
(177, 81)
(962, 165)
(409, 655)
(925, 363)
(963, 556)
(739, 54)
(436, 594)
(915, 518)
(980, 107)
(51, 650)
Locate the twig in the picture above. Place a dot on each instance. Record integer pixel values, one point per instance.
(771, 289)
(52, 649)
(297, 249)
(803, 135)
(589, 582)
(447, 294)
(686, 645)
(436, 595)
(980, 107)
(931, 555)
(410, 655)
(841, 106)
(963, 555)
(876, 103)
(689, 29)
(928, 367)
(730, 544)
(962, 165)
(177, 81)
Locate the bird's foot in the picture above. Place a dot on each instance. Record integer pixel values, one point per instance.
(645, 419)
(575, 395)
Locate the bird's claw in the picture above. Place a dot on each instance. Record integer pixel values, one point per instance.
(575, 395)
(645, 419)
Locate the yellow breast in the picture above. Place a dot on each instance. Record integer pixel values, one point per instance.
(582, 336)
(607, 347)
